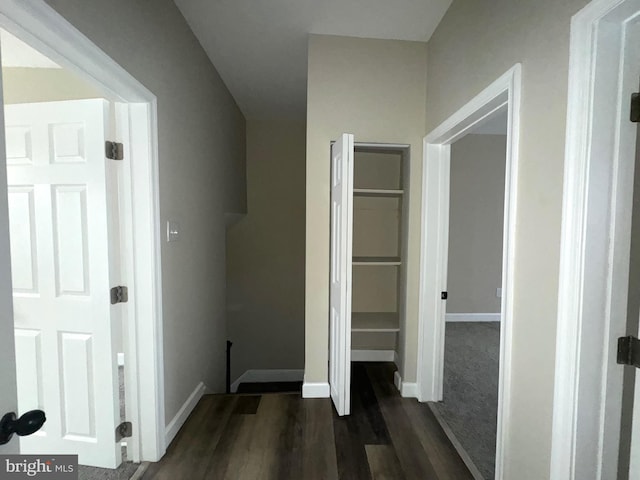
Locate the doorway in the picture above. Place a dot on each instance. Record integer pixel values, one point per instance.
(501, 96)
(54, 37)
(469, 405)
(595, 252)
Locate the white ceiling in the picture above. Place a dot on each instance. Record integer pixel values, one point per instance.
(260, 48)
(16, 53)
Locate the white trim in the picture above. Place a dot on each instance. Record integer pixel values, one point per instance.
(187, 407)
(396, 358)
(41, 26)
(406, 389)
(261, 376)
(501, 94)
(409, 390)
(397, 380)
(372, 355)
(472, 317)
(315, 390)
(594, 259)
(386, 146)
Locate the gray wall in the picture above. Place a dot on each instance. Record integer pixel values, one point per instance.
(202, 148)
(476, 220)
(265, 261)
(477, 41)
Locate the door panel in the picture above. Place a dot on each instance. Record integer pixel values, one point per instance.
(340, 275)
(64, 322)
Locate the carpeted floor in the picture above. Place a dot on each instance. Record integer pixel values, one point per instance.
(471, 389)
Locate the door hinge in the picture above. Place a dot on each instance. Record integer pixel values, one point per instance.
(119, 295)
(635, 108)
(444, 295)
(114, 150)
(124, 430)
(629, 351)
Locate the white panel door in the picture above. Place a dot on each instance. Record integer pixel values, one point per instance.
(341, 247)
(60, 251)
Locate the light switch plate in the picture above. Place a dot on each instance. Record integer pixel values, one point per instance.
(173, 231)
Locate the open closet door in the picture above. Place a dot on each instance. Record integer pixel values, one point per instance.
(341, 246)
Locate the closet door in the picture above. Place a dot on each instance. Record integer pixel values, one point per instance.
(341, 246)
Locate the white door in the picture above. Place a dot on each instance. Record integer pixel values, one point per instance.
(341, 247)
(60, 251)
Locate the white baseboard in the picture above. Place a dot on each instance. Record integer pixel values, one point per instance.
(396, 358)
(316, 390)
(397, 380)
(472, 317)
(409, 390)
(260, 376)
(372, 355)
(176, 423)
(406, 389)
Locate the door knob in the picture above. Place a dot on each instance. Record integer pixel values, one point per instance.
(27, 424)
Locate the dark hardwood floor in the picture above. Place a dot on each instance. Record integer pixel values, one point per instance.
(282, 436)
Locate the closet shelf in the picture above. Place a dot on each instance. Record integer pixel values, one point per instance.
(376, 192)
(375, 322)
(376, 261)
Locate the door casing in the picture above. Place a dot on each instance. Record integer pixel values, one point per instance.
(501, 94)
(42, 27)
(595, 242)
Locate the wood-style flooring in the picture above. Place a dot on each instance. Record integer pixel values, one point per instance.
(282, 436)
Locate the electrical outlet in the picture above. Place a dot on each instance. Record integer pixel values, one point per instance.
(499, 292)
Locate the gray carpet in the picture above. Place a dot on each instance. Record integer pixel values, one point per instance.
(471, 389)
(126, 470)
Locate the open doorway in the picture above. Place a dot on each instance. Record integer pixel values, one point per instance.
(485, 111)
(54, 38)
(469, 405)
(66, 251)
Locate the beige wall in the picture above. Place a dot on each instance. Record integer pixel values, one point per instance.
(374, 89)
(25, 85)
(464, 57)
(476, 219)
(201, 139)
(265, 253)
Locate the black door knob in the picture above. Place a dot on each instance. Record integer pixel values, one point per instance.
(27, 424)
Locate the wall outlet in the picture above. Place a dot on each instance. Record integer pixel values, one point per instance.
(499, 292)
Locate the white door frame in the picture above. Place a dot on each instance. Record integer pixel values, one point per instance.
(41, 26)
(594, 253)
(504, 92)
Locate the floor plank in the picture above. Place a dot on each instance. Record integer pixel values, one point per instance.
(282, 436)
(415, 464)
(384, 463)
(350, 451)
(318, 452)
(247, 404)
